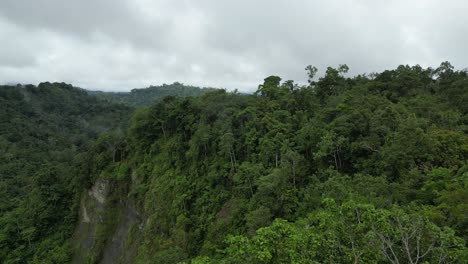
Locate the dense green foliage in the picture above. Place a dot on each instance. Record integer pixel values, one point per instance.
(365, 169)
(368, 169)
(151, 95)
(44, 133)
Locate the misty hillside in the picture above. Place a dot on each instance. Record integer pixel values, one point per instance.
(45, 132)
(230, 132)
(364, 169)
(151, 95)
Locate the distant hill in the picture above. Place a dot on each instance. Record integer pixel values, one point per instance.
(152, 94)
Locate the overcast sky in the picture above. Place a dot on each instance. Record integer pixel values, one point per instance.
(124, 44)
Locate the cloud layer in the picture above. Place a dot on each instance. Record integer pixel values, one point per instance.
(123, 44)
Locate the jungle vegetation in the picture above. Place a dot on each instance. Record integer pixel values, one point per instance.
(363, 169)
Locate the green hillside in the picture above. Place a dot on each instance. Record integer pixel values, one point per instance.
(44, 134)
(363, 169)
(151, 95)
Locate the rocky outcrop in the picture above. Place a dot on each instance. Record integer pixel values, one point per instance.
(105, 223)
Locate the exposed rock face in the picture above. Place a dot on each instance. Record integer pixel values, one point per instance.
(92, 206)
(99, 212)
(99, 191)
(115, 250)
(85, 217)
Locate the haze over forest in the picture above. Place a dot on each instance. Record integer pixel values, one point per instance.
(206, 132)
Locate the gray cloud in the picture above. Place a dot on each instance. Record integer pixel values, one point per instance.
(122, 44)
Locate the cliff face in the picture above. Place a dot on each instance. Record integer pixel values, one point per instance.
(107, 220)
(119, 248)
(92, 212)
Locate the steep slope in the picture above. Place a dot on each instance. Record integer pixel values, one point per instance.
(106, 219)
(343, 170)
(44, 133)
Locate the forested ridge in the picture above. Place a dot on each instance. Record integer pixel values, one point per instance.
(151, 95)
(364, 169)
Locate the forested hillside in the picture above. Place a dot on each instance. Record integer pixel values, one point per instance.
(44, 133)
(369, 169)
(151, 95)
(364, 169)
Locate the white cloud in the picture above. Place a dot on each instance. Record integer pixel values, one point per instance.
(123, 44)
